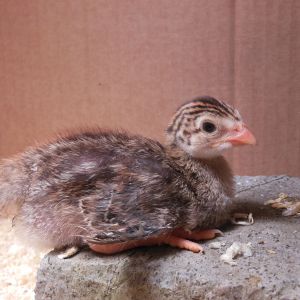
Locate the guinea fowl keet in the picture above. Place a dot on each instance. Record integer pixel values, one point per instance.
(114, 191)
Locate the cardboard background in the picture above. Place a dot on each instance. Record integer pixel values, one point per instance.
(129, 64)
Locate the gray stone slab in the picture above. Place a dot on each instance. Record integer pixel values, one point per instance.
(167, 273)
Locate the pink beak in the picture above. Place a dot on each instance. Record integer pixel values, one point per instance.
(241, 136)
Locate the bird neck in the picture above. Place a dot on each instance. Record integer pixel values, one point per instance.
(184, 158)
(217, 165)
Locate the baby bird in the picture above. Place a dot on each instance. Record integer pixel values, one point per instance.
(113, 191)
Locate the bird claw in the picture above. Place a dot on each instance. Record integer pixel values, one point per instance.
(182, 243)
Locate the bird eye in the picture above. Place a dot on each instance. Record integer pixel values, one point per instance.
(209, 127)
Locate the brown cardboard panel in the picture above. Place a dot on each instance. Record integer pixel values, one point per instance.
(129, 64)
(267, 60)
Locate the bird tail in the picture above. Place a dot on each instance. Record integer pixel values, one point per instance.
(13, 186)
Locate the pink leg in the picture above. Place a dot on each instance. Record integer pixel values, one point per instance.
(171, 240)
(183, 243)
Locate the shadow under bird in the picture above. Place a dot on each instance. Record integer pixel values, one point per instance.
(115, 191)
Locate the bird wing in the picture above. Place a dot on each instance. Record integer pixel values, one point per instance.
(119, 190)
(112, 235)
(125, 212)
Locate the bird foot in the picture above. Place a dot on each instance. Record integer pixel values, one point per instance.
(171, 240)
(68, 252)
(179, 238)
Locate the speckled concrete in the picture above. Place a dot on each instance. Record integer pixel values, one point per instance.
(273, 272)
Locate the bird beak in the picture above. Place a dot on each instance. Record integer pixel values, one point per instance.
(241, 136)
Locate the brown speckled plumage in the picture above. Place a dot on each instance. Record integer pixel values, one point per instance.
(106, 186)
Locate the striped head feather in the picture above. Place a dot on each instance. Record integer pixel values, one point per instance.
(205, 127)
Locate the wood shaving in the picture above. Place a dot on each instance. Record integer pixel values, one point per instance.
(18, 266)
(255, 280)
(242, 219)
(235, 250)
(291, 205)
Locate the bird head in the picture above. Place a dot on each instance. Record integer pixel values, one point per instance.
(206, 127)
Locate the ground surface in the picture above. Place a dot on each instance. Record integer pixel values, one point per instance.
(18, 265)
(272, 272)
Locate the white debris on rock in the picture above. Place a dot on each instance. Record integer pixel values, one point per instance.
(215, 245)
(291, 205)
(242, 219)
(236, 249)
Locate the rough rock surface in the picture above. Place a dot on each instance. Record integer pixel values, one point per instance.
(273, 272)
